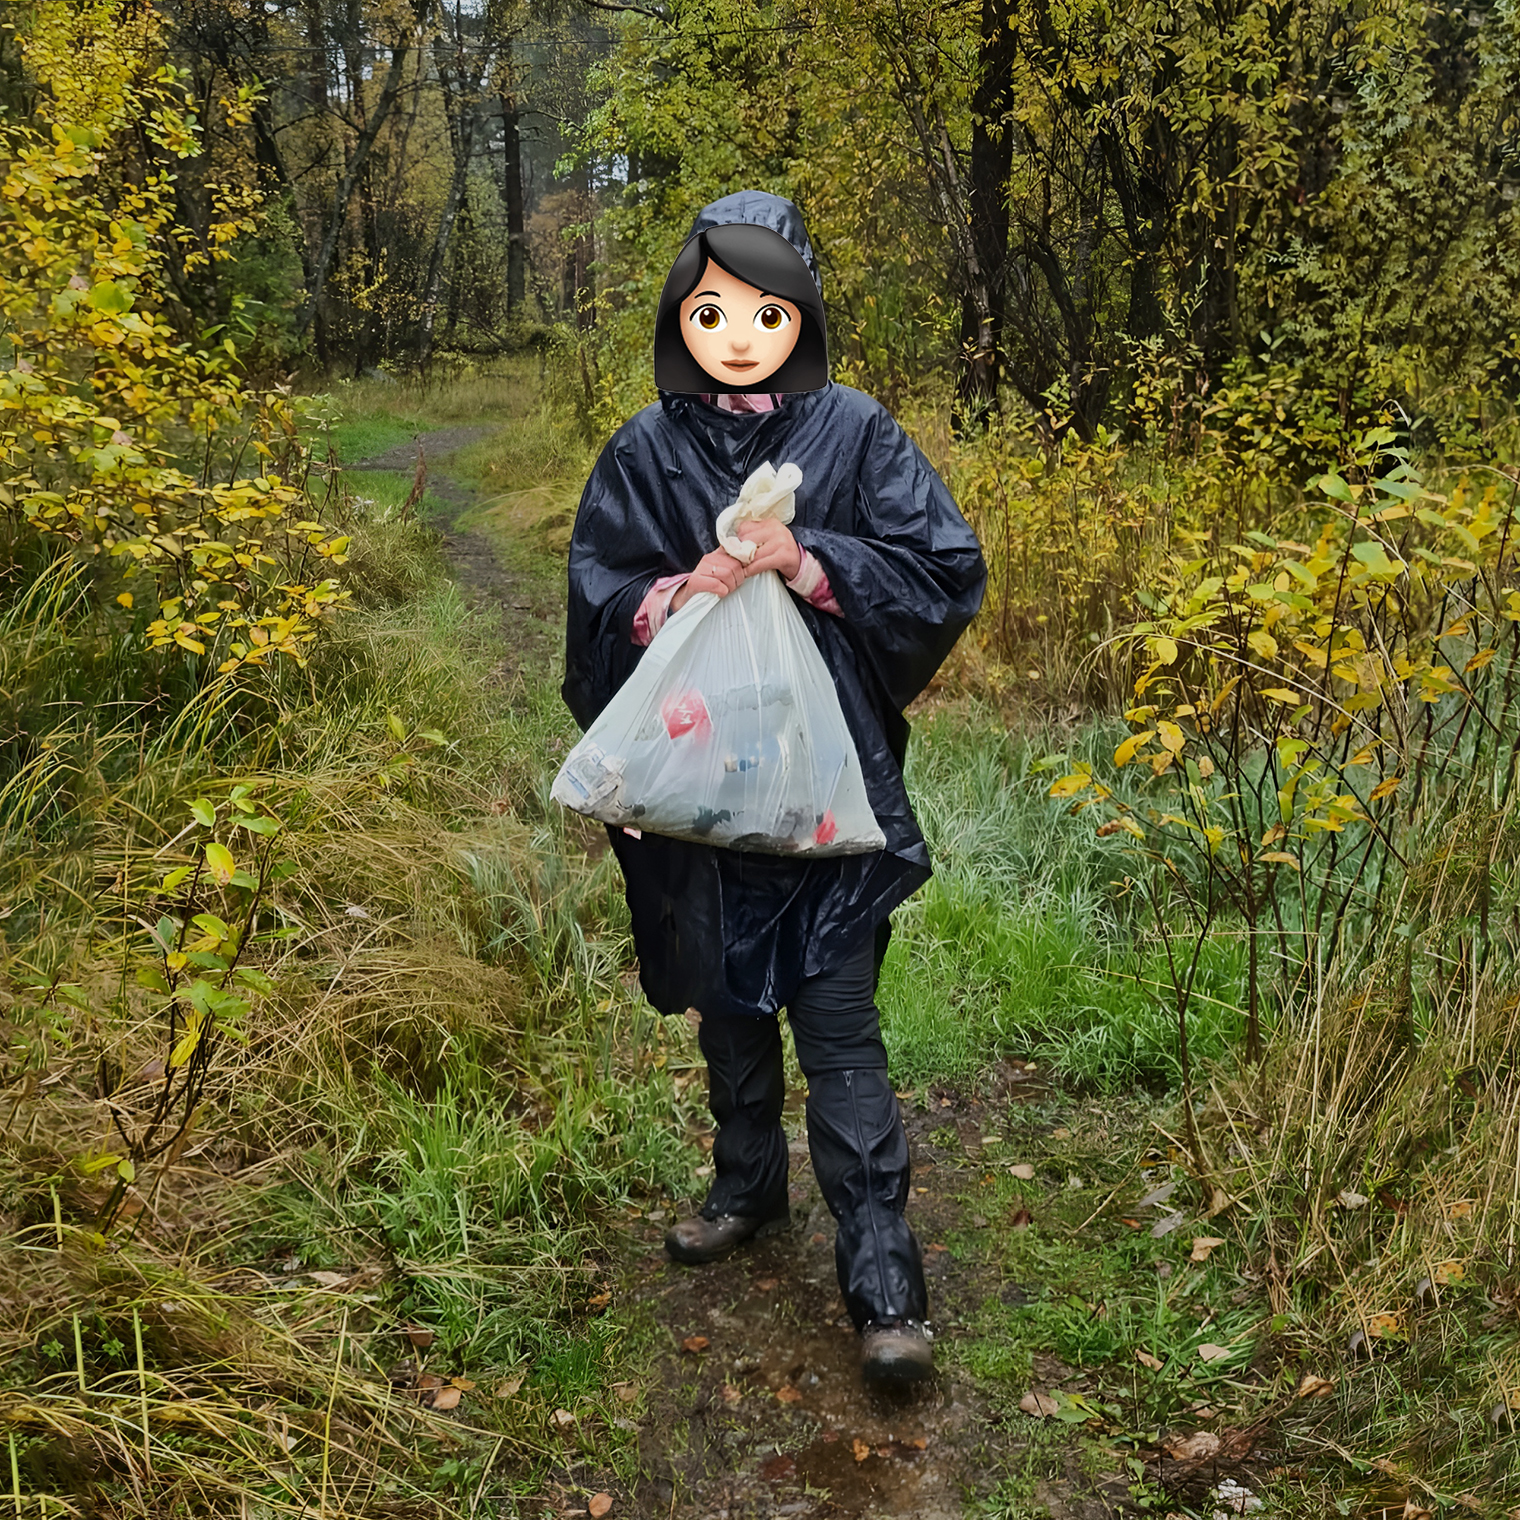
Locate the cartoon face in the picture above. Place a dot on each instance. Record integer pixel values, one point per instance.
(739, 335)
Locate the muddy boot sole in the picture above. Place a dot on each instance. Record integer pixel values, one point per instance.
(694, 1248)
(896, 1358)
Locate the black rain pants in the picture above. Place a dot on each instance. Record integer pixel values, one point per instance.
(855, 1131)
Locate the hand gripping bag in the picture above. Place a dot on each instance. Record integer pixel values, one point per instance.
(729, 732)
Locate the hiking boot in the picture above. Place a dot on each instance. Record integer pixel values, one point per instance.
(699, 1240)
(896, 1352)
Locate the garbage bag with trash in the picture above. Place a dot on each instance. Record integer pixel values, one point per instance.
(729, 731)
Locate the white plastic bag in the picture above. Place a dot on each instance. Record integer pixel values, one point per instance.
(730, 732)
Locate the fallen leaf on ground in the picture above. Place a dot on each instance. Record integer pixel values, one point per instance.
(695, 1344)
(419, 1335)
(1023, 1171)
(819, 1239)
(563, 1418)
(1209, 1352)
(732, 1395)
(1022, 1220)
(1382, 1326)
(1040, 1405)
(626, 1392)
(1147, 1360)
(428, 1381)
(1166, 1226)
(1349, 1199)
(1312, 1387)
(789, 1395)
(1133, 1224)
(935, 1247)
(598, 1300)
(767, 1284)
(507, 1389)
(1056, 1134)
(447, 1398)
(861, 1450)
(330, 1279)
(1447, 1272)
(1219, 1201)
(918, 1443)
(1413, 1511)
(463, 1384)
(1193, 1448)
(599, 1505)
(1158, 1195)
(1204, 1246)
(1203, 1411)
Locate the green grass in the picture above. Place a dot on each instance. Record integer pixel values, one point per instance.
(1028, 940)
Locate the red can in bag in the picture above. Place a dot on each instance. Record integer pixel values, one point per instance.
(685, 713)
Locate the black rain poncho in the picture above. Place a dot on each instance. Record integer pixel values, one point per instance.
(720, 930)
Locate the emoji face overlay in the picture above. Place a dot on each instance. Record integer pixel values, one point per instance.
(738, 334)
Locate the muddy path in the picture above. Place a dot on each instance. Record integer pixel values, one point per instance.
(753, 1405)
(471, 555)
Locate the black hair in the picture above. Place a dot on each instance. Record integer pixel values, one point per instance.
(767, 261)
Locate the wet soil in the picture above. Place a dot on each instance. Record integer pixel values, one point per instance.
(755, 1406)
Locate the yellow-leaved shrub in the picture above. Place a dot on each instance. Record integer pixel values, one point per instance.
(120, 443)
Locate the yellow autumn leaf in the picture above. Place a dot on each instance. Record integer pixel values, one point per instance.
(1069, 786)
(1172, 738)
(1280, 858)
(1385, 788)
(1263, 643)
(220, 863)
(1126, 751)
(185, 1047)
(1164, 650)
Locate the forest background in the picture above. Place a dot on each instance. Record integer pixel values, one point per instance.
(1208, 313)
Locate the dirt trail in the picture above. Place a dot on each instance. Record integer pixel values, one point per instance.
(770, 1417)
(471, 554)
(533, 611)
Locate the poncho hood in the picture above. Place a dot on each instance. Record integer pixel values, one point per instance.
(756, 208)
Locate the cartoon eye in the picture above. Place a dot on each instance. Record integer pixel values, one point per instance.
(771, 319)
(709, 319)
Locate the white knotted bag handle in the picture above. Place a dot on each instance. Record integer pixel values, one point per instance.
(767, 493)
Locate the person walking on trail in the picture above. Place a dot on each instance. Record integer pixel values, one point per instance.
(886, 574)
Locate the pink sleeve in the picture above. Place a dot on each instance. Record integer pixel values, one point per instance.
(812, 585)
(655, 608)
